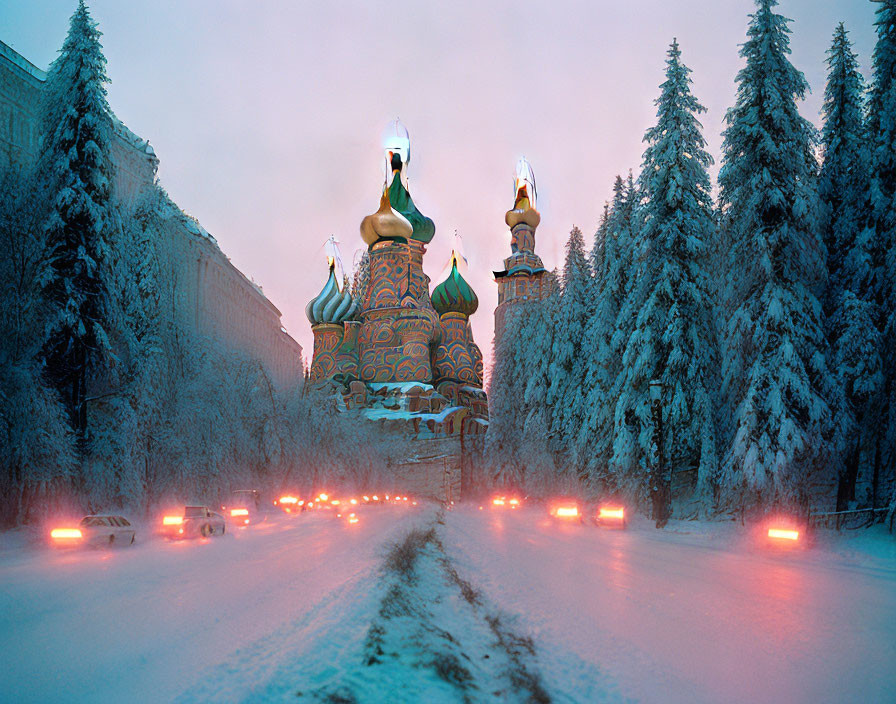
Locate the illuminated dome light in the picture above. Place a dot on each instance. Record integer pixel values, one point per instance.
(524, 197)
(397, 151)
(385, 224)
(334, 304)
(454, 294)
(524, 184)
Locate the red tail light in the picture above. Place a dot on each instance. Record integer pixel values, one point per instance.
(784, 534)
(611, 513)
(172, 520)
(65, 534)
(567, 511)
(239, 512)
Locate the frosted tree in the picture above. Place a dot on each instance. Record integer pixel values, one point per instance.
(603, 361)
(882, 234)
(74, 160)
(37, 452)
(565, 392)
(776, 379)
(535, 360)
(673, 339)
(506, 388)
(850, 300)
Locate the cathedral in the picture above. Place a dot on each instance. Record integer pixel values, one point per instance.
(397, 350)
(403, 354)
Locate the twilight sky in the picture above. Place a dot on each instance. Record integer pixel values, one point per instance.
(267, 116)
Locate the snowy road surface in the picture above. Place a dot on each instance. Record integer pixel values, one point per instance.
(694, 614)
(690, 617)
(151, 622)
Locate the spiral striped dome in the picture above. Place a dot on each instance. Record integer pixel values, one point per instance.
(332, 304)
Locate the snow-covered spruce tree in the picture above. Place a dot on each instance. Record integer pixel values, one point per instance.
(74, 161)
(506, 387)
(37, 451)
(673, 339)
(126, 418)
(565, 393)
(882, 134)
(776, 379)
(534, 359)
(604, 359)
(850, 300)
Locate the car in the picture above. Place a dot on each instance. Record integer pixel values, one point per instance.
(506, 502)
(96, 531)
(244, 507)
(289, 503)
(611, 515)
(195, 521)
(566, 509)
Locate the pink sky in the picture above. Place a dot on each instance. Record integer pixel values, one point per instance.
(267, 116)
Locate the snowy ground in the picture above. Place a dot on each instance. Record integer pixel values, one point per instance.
(692, 614)
(496, 604)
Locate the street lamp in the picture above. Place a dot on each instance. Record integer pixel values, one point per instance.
(660, 484)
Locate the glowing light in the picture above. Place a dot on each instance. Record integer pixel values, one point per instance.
(246, 521)
(405, 498)
(366, 498)
(239, 512)
(783, 534)
(172, 520)
(568, 511)
(288, 500)
(514, 502)
(335, 502)
(376, 498)
(353, 502)
(323, 497)
(387, 497)
(65, 533)
(611, 513)
(498, 502)
(353, 519)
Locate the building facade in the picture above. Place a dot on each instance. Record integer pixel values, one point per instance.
(211, 295)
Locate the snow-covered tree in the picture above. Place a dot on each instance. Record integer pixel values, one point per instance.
(534, 355)
(603, 362)
(36, 445)
(673, 339)
(882, 134)
(506, 389)
(566, 392)
(74, 161)
(850, 301)
(776, 379)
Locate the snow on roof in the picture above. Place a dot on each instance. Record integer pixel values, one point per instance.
(21, 62)
(402, 386)
(132, 138)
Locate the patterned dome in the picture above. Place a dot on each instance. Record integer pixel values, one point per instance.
(333, 304)
(454, 294)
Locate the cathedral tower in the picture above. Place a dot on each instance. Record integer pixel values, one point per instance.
(524, 277)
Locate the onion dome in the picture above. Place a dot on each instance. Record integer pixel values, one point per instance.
(385, 224)
(334, 304)
(454, 294)
(424, 227)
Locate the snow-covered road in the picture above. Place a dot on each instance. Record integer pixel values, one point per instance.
(702, 616)
(692, 614)
(153, 622)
